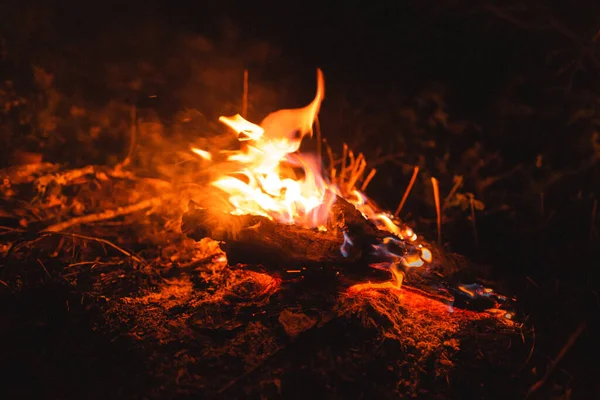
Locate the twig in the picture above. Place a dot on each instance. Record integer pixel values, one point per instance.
(319, 142)
(343, 167)
(332, 170)
(9, 229)
(108, 214)
(245, 95)
(94, 263)
(63, 178)
(452, 192)
(383, 159)
(593, 221)
(351, 164)
(532, 345)
(436, 197)
(43, 267)
(100, 240)
(132, 138)
(360, 165)
(473, 221)
(554, 363)
(368, 180)
(407, 191)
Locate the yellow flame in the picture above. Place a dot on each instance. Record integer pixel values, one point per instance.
(270, 177)
(202, 153)
(246, 130)
(267, 181)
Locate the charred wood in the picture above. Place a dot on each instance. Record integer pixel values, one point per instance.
(257, 239)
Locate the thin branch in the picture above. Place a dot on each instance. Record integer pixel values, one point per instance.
(436, 197)
(452, 192)
(407, 191)
(554, 363)
(532, 346)
(108, 214)
(593, 219)
(132, 138)
(9, 229)
(332, 170)
(473, 220)
(64, 178)
(343, 167)
(43, 267)
(319, 142)
(100, 240)
(368, 180)
(245, 95)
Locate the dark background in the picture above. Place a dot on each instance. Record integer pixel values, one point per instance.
(506, 96)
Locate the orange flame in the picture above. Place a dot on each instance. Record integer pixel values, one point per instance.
(273, 179)
(266, 182)
(202, 153)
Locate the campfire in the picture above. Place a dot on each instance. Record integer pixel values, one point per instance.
(280, 206)
(274, 248)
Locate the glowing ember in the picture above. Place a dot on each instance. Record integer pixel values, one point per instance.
(271, 178)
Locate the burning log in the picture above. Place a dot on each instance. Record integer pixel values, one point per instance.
(256, 239)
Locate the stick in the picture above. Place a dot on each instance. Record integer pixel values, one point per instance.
(357, 173)
(452, 192)
(319, 142)
(351, 164)
(407, 191)
(245, 95)
(473, 221)
(9, 229)
(333, 171)
(108, 214)
(343, 167)
(100, 240)
(43, 267)
(368, 180)
(132, 138)
(593, 221)
(63, 178)
(554, 363)
(436, 196)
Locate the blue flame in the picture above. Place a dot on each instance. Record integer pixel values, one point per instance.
(345, 248)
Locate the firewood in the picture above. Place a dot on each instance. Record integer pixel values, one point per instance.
(258, 239)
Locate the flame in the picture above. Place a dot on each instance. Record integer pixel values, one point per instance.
(267, 182)
(268, 176)
(202, 153)
(345, 249)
